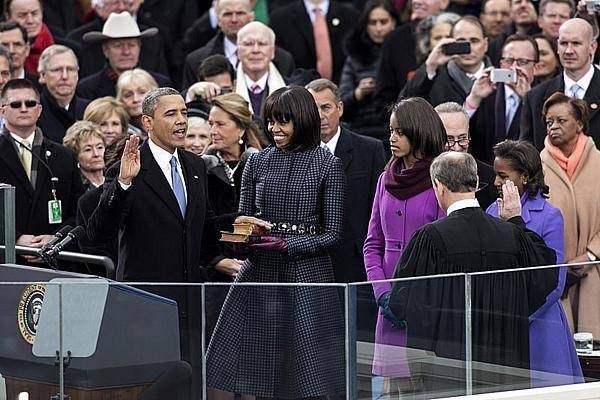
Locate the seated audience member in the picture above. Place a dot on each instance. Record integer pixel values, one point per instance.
(121, 44)
(548, 65)
(152, 50)
(313, 32)
(28, 14)
(458, 138)
(571, 163)
(579, 80)
(495, 108)
(359, 74)
(232, 15)
(495, 17)
(524, 21)
(444, 77)
(31, 178)
(132, 86)
(14, 37)
(215, 76)
(398, 52)
(431, 30)
(111, 116)
(554, 13)
(86, 140)
(197, 138)
(551, 347)
(61, 107)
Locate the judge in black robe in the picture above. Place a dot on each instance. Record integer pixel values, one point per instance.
(469, 241)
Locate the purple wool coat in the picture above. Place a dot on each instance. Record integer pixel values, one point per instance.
(391, 226)
(551, 347)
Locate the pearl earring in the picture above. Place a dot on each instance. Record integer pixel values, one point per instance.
(240, 141)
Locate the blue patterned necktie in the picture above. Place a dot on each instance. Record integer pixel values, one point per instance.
(178, 188)
(575, 91)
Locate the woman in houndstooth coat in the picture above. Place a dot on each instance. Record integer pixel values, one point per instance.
(285, 342)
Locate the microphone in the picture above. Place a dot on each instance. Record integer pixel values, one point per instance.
(62, 232)
(74, 234)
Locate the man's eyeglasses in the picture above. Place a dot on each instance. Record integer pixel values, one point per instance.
(19, 104)
(521, 62)
(462, 142)
(62, 70)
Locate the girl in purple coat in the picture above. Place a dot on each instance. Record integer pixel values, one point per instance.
(404, 201)
(551, 348)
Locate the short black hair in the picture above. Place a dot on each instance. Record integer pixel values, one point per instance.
(12, 25)
(523, 157)
(19, 83)
(519, 37)
(579, 108)
(214, 65)
(295, 104)
(421, 125)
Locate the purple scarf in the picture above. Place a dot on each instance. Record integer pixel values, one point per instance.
(405, 183)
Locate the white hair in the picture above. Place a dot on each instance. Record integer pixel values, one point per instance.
(257, 24)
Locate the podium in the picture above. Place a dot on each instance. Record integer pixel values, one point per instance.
(121, 338)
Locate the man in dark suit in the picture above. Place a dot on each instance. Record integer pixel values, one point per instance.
(155, 200)
(60, 106)
(14, 37)
(580, 79)
(153, 57)
(294, 26)
(201, 31)
(232, 15)
(398, 53)
(456, 122)
(121, 45)
(363, 160)
(495, 108)
(445, 77)
(32, 175)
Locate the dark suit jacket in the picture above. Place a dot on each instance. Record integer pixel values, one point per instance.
(532, 128)
(282, 60)
(55, 120)
(294, 32)
(198, 34)
(488, 125)
(31, 214)
(100, 84)
(486, 194)
(363, 160)
(440, 89)
(155, 243)
(91, 58)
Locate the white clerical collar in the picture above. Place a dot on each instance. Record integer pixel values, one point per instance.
(162, 157)
(310, 8)
(583, 83)
(332, 144)
(262, 82)
(460, 204)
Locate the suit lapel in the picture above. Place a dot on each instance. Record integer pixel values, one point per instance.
(301, 18)
(13, 163)
(344, 147)
(592, 94)
(155, 179)
(192, 183)
(500, 114)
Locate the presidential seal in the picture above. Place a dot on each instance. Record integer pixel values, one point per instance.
(28, 313)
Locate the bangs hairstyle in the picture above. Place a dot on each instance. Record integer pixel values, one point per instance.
(421, 125)
(295, 104)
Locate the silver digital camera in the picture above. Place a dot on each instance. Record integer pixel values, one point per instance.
(503, 75)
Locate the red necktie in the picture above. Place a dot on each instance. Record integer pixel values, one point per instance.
(322, 45)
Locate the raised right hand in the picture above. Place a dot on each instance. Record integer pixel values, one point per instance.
(130, 160)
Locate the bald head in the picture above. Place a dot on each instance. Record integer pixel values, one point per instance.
(576, 47)
(580, 26)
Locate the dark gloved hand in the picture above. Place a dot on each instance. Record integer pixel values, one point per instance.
(384, 304)
(269, 243)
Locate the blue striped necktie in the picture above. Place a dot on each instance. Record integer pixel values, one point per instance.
(178, 188)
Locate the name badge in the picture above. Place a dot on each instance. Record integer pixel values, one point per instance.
(54, 212)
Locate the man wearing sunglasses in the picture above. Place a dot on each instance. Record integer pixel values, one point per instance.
(495, 108)
(44, 174)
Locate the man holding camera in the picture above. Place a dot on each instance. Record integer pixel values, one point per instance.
(495, 101)
(452, 66)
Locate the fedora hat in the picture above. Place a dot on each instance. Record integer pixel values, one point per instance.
(119, 26)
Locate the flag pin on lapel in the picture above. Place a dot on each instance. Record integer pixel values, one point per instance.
(594, 106)
(335, 22)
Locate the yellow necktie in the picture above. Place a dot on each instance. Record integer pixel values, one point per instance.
(26, 157)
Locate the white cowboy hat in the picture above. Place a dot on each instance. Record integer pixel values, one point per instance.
(119, 26)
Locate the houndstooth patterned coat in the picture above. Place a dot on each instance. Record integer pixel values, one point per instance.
(285, 342)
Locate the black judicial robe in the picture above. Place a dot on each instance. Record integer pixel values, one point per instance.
(468, 241)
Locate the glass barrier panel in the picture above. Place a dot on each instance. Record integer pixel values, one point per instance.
(275, 340)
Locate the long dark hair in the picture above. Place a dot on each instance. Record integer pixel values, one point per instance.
(523, 157)
(370, 5)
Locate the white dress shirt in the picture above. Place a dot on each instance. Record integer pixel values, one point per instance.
(230, 50)
(583, 83)
(459, 205)
(310, 7)
(20, 140)
(262, 82)
(332, 144)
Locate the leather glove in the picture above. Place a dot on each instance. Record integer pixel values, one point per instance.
(269, 243)
(384, 305)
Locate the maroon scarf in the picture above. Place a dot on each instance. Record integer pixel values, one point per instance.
(42, 40)
(405, 183)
